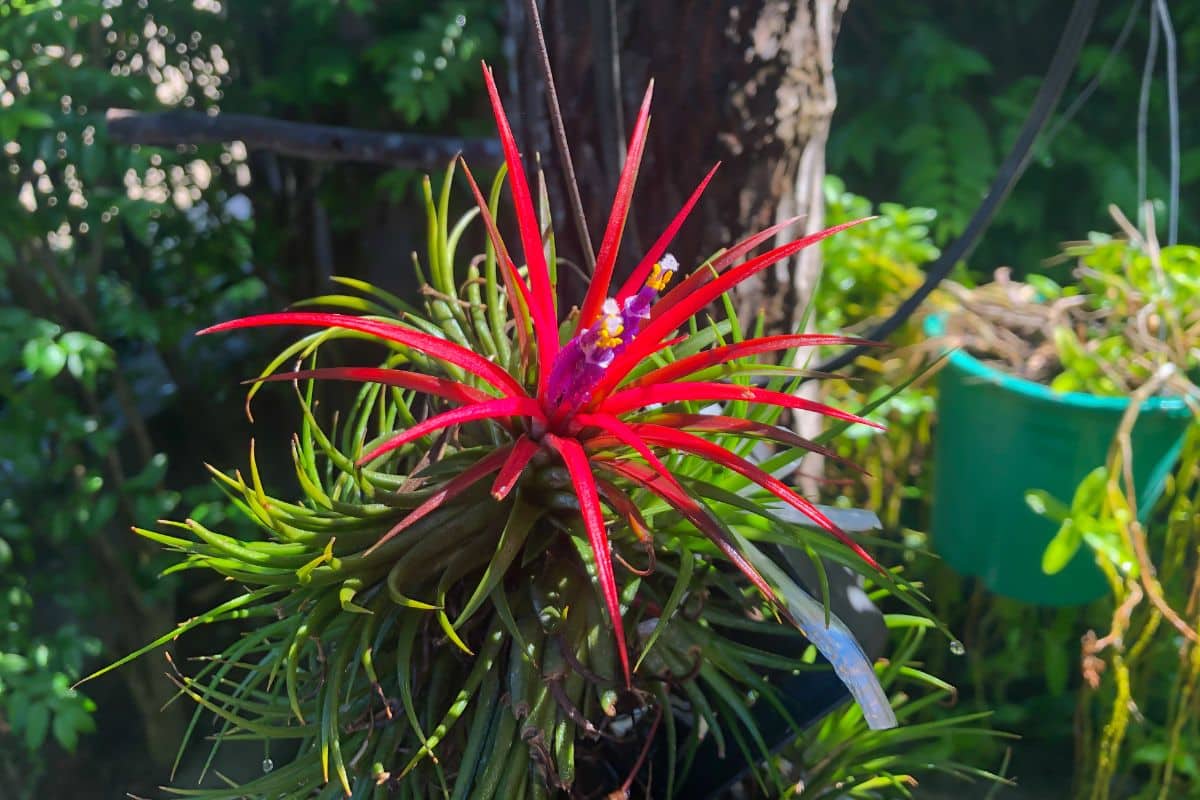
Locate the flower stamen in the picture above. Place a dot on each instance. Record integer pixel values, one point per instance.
(611, 326)
(662, 273)
(637, 305)
(581, 363)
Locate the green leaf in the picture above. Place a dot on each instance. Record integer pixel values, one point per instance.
(44, 356)
(1043, 504)
(65, 731)
(151, 476)
(13, 663)
(1062, 547)
(37, 722)
(1090, 493)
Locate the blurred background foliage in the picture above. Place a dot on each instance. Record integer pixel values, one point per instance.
(930, 98)
(111, 256)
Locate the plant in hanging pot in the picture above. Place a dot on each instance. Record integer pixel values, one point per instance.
(532, 549)
(1031, 397)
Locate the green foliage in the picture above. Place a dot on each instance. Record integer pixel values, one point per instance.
(1135, 337)
(1149, 659)
(945, 147)
(1077, 522)
(80, 316)
(39, 699)
(422, 80)
(363, 59)
(1028, 689)
(841, 757)
(111, 256)
(408, 66)
(868, 271)
(1127, 321)
(931, 95)
(1134, 295)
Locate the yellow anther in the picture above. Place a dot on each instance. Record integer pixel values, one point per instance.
(611, 325)
(662, 272)
(609, 341)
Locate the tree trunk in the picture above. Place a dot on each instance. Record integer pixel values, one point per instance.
(749, 84)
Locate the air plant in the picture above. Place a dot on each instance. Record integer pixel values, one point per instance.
(534, 547)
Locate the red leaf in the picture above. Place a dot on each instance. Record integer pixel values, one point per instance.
(593, 520)
(448, 491)
(641, 396)
(623, 505)
(647, 340)
(544, 318)
(514, 286)
(737, 426)
(670, 437)
(522, 452)
(638, 276)
(504, 407)
(695, 513)
(736, 350)
(626, 435)
(429, 345)
(707, 272)
(453, 391)
(606, 259)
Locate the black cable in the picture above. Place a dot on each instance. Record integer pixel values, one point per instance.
(1062, 66)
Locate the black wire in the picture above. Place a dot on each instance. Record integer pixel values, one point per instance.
(1062, 66)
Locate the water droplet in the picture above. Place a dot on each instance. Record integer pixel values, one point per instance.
(956, 647)
(461, 20)
(268, 764)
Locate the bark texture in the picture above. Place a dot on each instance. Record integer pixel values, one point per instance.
(746, 83)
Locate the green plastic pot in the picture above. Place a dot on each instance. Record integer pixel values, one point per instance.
(999, 436)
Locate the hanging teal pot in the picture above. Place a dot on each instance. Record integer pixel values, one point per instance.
(999, 436)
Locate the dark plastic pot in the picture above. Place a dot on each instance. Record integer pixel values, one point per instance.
(999, 436)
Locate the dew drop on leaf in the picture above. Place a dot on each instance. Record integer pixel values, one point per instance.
(268, 764)
(956, 647)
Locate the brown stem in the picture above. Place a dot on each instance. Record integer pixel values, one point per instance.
(623, 792)
(1134, 532)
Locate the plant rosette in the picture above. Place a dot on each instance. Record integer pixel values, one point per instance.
(534, 546)
(1030, 400)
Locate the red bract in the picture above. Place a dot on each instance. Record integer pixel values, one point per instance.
(573, 410)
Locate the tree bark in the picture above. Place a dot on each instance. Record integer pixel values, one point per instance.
(749, 84)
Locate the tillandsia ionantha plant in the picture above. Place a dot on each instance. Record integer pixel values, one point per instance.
(533, 558)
